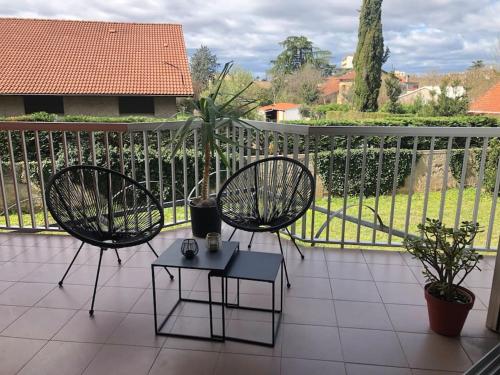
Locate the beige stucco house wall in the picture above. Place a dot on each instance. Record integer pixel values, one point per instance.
(165, 106)
(91, 105)
(11, 105)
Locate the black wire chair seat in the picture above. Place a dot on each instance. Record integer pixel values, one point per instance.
(266, 196)
(103, 208)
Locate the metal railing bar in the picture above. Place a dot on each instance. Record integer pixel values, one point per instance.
(184, 179)
(79, 148)
(28, 180)
(346, 181)
(394, 188)
(446, 171)
(465, 162)
(14, 179)
(172, 176)
(330, 183)
(41, 179)
(315, 175)
(412, 180)
(377, 188)
(361, 188)
(428, 179)
(494, 199)
(306, 163)
(160, 166)
(4, 194)
(196, 171)
(65, 149)
(295, 157)
(479, 182)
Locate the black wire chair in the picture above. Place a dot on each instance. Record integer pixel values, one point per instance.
(266, 196)
(103, 208)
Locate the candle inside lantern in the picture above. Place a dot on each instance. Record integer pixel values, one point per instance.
(213, 241)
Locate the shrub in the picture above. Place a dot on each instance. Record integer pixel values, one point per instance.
(490, 168)
(453, 121)
(457, 161)
(447, 257)
(371, 169)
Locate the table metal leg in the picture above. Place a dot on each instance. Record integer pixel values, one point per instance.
(159, 327)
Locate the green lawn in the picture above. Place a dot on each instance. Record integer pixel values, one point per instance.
(384, 209)
(401, 200)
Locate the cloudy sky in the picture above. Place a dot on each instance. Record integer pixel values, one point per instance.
(423, 35)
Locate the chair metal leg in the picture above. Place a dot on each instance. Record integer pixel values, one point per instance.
(118, 256)
(284, 263)
(232, 234)
(70, 265)
(91, 311)
(155, 253)
(251, 240)
(295, 243)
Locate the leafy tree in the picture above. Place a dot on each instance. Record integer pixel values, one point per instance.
(369, 57)
(237, 80)
(303, 85)
(393, 90)
(477, 64)
(450, 100)
(204, 67)
(299, 51)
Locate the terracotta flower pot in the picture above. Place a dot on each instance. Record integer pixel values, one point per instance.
(448, 318)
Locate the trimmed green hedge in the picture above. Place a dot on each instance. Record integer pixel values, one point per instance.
(51, 117)
(453, 121)
(370, 174)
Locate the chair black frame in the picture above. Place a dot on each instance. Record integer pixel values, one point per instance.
(282, 225)
(72, 229)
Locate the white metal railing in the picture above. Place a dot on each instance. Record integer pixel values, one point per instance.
(369, 209)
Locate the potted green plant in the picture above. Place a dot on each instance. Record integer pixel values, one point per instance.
(448, 258)
(212, 115)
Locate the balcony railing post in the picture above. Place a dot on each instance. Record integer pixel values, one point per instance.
(317, 147)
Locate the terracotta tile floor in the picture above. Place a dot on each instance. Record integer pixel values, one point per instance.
(347, 312)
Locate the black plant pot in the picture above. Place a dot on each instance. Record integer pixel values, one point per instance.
(204, 219)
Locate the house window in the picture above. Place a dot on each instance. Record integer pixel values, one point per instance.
(134, 105)
(43, 103)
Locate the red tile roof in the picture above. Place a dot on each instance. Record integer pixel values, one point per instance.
(279, 107)
(349, 76)
(489, 102)
(330, 86)
(92, 58)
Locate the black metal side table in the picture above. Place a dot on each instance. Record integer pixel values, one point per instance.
(254, 266)
(210, 261)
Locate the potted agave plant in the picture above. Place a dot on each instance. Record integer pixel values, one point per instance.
(212, 115)
(447, 258)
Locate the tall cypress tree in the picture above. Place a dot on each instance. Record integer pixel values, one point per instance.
(369, 56)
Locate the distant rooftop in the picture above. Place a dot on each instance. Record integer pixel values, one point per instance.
(56, 57)
(279, 107)
(489, 102)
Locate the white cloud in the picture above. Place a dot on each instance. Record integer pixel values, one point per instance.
(423, 35)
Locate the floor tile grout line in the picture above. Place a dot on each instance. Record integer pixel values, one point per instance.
(33, 356)
(392, 324)
(338, 329)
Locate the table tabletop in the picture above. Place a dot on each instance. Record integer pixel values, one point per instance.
(204, 260)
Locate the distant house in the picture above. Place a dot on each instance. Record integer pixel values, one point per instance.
(346, 81)
(489, 103)
(430, 93)
(330, 90)
(405, 82)
(347, 62)
(280, 112)
(91, 68)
